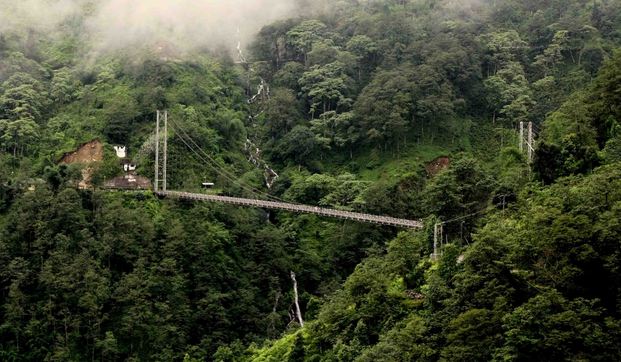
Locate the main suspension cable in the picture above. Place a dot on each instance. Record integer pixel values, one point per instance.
(183, 135)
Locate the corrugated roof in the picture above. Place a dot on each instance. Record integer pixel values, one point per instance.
(129, 182)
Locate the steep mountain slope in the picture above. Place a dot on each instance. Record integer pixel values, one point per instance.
(401, 108)
(539, 280)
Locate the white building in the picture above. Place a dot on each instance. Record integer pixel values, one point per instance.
(121, 151)
(129, 167)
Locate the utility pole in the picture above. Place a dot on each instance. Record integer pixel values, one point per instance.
(165, 148)
(435, 242)
(531, 142)
(528, 139)
(438, 230)
(442, 237)
(521, 137)
(157, 152)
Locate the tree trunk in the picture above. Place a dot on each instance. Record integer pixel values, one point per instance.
(297, 304)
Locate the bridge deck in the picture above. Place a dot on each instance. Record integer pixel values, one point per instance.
(347, 215)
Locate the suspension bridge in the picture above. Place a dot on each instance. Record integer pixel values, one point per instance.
(262, 199)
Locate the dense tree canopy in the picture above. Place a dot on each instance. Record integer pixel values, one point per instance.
(407, 108)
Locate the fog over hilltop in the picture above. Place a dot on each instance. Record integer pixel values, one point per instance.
(110, 25)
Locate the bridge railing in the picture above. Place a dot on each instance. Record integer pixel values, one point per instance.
(348, 215)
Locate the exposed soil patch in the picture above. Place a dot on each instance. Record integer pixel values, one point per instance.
(434, 167)
(87, 153)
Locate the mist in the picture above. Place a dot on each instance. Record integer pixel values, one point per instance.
(182, 25)
(38, 15)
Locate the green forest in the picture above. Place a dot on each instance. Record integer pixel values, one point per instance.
(403, 108)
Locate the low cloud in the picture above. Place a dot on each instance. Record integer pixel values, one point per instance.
(42, 15)
(185, 25)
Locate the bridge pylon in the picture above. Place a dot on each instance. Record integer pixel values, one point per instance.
(161, 153)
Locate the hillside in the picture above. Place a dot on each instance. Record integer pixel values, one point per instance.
(401, 108)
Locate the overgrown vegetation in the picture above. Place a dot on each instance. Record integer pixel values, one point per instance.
(362, 99)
